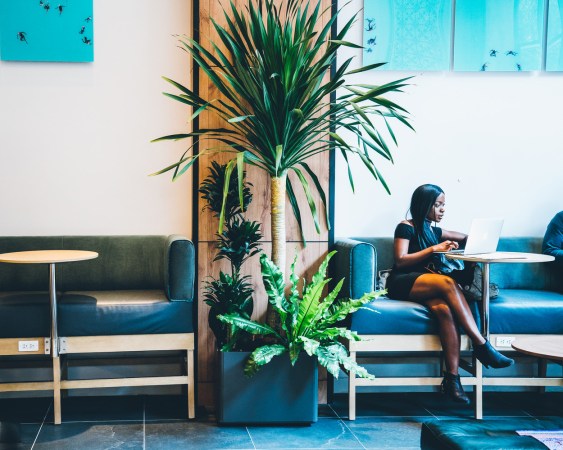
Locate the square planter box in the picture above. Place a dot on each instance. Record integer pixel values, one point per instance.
(278, 393)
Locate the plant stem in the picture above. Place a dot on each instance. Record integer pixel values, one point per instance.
(278, 186)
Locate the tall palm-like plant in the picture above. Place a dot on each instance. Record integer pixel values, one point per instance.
(275, 92)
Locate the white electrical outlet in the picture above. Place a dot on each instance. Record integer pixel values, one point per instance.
(504, 341)
(28, 346)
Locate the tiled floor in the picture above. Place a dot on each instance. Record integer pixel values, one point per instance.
(384, 421)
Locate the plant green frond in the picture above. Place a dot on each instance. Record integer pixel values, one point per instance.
(272, 277)
(247, 325)
(260, 356)
(339, 311)
(270, 69)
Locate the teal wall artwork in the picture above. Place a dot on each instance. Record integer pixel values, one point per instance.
(554, 51)
(498, 35)
(408, 34)
(45, 30)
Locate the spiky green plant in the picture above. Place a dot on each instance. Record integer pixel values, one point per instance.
(230, 294)
(221, 197)
(307, 322)
(274, 105)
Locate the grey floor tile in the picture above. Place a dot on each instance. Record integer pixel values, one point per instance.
(166, 407)
(381, 405)
(326, 433)
(326, 411)
(27, 433)
(195, 435)
(534, 403)
(94, 436)
(493, 406)
(105, 408)
(387, 432)
(24, 410)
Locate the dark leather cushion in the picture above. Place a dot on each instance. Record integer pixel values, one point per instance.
(519, 311)
(101, 313)
(25, 314)
(484, 434)
(514, 311)
(385, 316)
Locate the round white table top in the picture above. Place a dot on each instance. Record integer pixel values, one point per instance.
(550, 347)
(503, 257)
(47, 256)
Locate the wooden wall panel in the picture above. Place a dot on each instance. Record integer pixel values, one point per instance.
(308, 258)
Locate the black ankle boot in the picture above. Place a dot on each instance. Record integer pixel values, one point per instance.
(488, 356)
(451, 386)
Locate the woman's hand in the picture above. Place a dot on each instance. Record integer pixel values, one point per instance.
(445, 246)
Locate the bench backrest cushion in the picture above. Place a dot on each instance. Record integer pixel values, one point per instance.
(124, 263)
(361, 265)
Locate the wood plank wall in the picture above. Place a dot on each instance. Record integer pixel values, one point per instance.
(308, 258)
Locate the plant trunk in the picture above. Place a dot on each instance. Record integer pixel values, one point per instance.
(277, 212)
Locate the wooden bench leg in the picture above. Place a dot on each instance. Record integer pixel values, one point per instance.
(352, 391)
(478, 389)
(57, 389)
(191, 387)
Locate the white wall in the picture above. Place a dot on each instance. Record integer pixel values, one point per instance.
(74, 138)
(492, 141)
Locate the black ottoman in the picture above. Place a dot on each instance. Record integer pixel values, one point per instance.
(487, 434)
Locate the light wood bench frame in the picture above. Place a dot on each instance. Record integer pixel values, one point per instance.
(431, 343)
(126, 343)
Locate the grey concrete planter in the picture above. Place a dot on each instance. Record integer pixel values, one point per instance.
(278, 393)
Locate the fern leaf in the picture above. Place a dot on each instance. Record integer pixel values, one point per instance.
(341, 310)
(260, 356)
(247, 325)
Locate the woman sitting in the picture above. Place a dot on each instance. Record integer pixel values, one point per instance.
(423, 274)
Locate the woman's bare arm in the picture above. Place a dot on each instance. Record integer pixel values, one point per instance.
(405, 259)
(453, 236)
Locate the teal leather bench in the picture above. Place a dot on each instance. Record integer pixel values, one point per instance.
(486, 434)
(530, 303)
(137, 296)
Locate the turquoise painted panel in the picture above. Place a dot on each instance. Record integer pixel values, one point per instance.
(408, 34)
(554, 52)
(498, 35)
(41, 30)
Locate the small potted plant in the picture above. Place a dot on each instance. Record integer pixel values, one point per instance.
(277, 382)
(230, 293)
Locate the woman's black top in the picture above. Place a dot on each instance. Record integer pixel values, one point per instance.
(404, 231)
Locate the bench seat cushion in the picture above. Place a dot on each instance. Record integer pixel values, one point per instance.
(515, 311)
(520, 311)
(386, 316)
(490, 434)
(105, 313)
(25, 314)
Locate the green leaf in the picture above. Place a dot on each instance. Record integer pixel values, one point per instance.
(272, 277)
(309, 196)
(335, 354)
(261, 356)
(346, 44)
(247, 325)
(340, 311)
(238, 119)
(228, 172)
(279, 153)
(240, 176)
(295, 208)
(311, 295)
(310, 345)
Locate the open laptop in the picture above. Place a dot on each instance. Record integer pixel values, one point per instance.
(483, 237)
